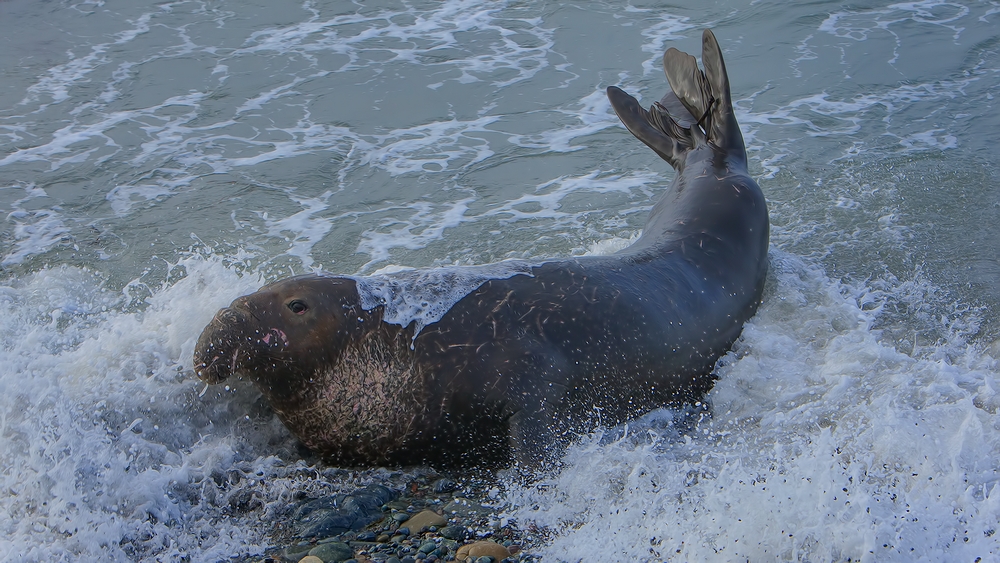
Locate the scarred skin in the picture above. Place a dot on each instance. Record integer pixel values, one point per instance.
(521, 365)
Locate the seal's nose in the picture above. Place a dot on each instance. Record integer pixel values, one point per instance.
(216, 354)
(229, 317)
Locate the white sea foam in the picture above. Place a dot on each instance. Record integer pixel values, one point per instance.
(611, 245)
(548, 199)
(591, 114)
(824, 444)
(937, 139)
(822, 115)
(105, 447)
(426, 223)
(564, 202)
(859, 24)
(36, 230)
(670, 28)
(431, 147)
(366, 37)
(56, 84)
(303, 229)
(123, 198)
(422, 297)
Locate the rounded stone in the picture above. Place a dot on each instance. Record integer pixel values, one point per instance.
(296, 552)
(333, 552)
(481, 549)
(400, 517)
(311, 559)
(484, 559)
(457, 533)
(403, 530)
(444, 485)
(425, 519)
(428, 546)
(366, 536)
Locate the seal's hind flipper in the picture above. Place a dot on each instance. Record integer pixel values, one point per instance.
(706, 94)
(678, 112)
(697, 109)
(655, 127)
(687, 82)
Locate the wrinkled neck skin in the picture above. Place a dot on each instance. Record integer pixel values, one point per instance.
(352, 400)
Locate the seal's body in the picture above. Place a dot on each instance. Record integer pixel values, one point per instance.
(526, 360)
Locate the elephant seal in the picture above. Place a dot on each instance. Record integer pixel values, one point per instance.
(472, 365)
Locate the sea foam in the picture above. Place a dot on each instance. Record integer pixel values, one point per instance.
(823, 444)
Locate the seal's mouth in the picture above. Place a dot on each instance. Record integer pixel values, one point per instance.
(218, 352)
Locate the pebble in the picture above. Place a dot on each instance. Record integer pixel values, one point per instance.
(428, 546)
(483, 548)
(446, 485)
(375, 525)
(464, 508)
(336, 514)
(425, 519)
(457, 533)
(296, 552)
(333, 552)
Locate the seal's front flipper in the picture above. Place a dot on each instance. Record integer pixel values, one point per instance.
(531, 439)
(656, 127)
(541, 428)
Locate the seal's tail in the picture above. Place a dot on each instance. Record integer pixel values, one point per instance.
(697, 110)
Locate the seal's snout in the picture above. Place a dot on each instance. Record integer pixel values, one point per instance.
(217, 353)
(229, 316)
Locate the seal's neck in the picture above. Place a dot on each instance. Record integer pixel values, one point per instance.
(372, 399)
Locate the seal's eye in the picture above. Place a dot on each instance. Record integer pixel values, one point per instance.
(298, 307)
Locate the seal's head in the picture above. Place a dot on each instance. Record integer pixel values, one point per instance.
(340, 379)
(285, 329)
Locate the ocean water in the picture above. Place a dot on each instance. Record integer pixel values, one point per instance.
(158, 160)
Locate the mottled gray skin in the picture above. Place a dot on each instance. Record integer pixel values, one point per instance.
(521, 364)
